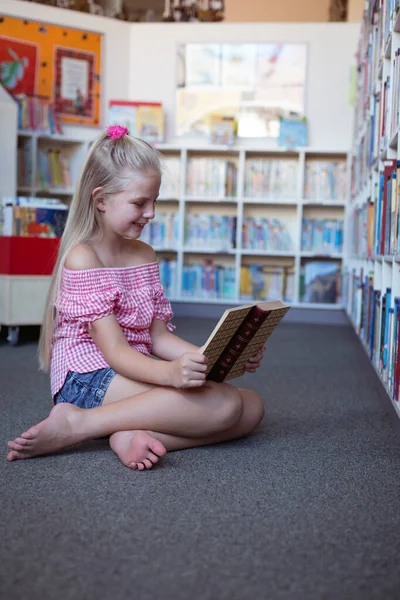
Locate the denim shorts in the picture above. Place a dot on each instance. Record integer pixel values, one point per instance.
(85, 390)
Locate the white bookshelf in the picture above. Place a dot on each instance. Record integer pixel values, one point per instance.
(380, 40)
(290, 210)
(74, 150)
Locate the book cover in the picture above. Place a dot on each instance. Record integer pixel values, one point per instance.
(238, 335)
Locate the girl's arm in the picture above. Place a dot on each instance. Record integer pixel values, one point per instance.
(166, 345)
(185, 371)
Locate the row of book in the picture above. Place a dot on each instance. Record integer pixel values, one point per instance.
(170, 181)
(217, 178)
(32, 217)
(213, 177)
(265, 177)
(375, 225)
(376, 316)
(267, 282)
(209, 280)
(210, 231)
(168, 276)
(37, 113)
(163, 230)
(24, 164)
(325, 180)
(322, 235)
(266, 234)
(53, 169)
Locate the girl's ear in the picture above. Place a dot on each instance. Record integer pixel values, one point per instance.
(99, 199)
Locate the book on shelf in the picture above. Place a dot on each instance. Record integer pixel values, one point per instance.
(293, 133)
(32, 217)
(144, 120)
(223, 130)
(320, 281)
(238, 336)
(37, 113)
(266, 282)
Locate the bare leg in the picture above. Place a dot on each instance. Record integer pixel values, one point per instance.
(139, 449)
(194, 413)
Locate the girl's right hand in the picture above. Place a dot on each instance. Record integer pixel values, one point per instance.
(188, 370)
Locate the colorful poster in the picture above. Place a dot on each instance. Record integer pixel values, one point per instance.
(18, 66)
(35, 64)
(74, 84)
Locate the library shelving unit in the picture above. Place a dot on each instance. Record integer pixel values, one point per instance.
(26, 263)
(372, 263)
(201, 188)
(236, 208)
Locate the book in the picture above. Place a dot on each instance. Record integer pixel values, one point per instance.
(238, 336)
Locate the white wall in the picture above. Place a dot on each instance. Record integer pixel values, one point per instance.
(116, 57)
(331, 48)
(139, 62)
(8, 146)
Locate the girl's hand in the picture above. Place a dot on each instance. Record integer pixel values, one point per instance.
(254, 362)
(188, 371)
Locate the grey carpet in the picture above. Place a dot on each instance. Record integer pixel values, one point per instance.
(306, 508)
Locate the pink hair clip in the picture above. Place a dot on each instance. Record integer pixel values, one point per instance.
(116, 131)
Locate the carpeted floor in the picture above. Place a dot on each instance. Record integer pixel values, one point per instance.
(307, 508)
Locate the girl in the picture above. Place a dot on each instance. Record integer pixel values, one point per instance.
(106, 314)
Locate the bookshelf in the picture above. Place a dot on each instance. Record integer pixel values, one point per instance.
(254, 206)
(372, 264)
(224, 199)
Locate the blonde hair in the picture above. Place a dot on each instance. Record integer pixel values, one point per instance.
(107, 166)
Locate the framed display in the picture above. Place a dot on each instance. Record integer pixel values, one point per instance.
(56, 62)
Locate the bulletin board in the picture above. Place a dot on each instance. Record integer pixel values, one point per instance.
(60, 63)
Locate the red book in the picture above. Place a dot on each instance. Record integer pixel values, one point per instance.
(239, 334)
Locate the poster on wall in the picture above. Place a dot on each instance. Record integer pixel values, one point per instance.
(255, 84)
(54, 62)
(73, 91)
(18, 66)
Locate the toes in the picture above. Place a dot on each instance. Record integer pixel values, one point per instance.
(31, 433)
(16, 446)
(132, 465)
(23, 441)
(14, 455)
(157, 448)
(140, 466)
(154, 459)
(147, 463)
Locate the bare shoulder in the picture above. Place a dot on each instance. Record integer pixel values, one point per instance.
(82, 257)
(142, 253)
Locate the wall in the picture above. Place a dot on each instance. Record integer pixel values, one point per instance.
(139, 62)
(296, 11)
(355, 10)
(8, 146)
(331, 48)
(116, 58)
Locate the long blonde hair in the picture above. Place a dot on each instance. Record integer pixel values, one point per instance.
(105, 166)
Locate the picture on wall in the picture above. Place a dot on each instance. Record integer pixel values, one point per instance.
(257, 84)
(18, 66)
(73, 91)
(58, 63)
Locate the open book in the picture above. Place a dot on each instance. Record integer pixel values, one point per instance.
(238, 336)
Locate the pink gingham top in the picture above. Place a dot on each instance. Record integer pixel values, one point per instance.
(133, 294)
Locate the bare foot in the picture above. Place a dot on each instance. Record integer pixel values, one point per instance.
(137, 449)
(62, 428)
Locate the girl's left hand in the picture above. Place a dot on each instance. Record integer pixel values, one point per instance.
(254, 362)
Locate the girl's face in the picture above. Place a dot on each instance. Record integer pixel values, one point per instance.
(128, 212)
